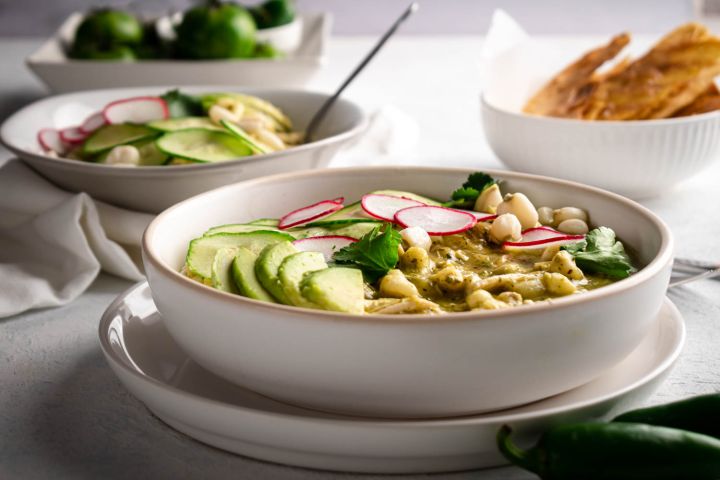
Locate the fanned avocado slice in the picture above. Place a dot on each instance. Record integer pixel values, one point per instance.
(243, 272)
(267, 266)
(293, 269)
(338, 289)
(221, 273)
(201, 252)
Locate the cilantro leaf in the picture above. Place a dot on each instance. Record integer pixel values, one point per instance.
(479, 181)
(375, 253)
(602, 253)
(465, 196)
(181, 104)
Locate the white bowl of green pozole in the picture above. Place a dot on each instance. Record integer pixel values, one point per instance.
(408, 292)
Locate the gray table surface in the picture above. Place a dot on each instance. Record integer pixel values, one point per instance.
(63, 414)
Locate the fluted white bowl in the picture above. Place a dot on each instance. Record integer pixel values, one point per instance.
(403, 365)
(639, 158)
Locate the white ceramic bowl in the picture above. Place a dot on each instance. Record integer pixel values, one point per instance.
(639, 158)
(152, 189)
(287, 38)
(304, 60)
(407, 365)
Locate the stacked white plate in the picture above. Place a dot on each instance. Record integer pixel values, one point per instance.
(214, 411)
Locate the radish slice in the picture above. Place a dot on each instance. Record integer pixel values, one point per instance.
(436, 220)
(544, 233)
(136, 110)
(307, 214)
(327, 245)
(481, 216)
(73, 135)
(542, 237)
(51, 141)
(92, 123)
(338, 200)
(385, 207)
(548, 242)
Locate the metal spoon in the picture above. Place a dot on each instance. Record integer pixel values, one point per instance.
(320, 115)
(715, 272)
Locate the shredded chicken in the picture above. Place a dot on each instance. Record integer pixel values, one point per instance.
(412, 304)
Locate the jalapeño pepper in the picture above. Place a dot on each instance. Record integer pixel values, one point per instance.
(699, 414)
(617, 451)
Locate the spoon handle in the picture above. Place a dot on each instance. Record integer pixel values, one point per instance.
(706, 274)
(318, 117)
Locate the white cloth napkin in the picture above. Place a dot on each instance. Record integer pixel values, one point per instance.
(53, 243)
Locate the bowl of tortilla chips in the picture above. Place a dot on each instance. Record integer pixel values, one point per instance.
(638, 127)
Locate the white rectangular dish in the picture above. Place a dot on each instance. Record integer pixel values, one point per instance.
(63, 74)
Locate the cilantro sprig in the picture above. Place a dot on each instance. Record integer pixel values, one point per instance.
(602, 253)
(465, 196)
(375, 253)
(181, 104)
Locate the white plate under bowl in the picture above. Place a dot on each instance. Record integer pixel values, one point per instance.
(151, 365)
(62, 74)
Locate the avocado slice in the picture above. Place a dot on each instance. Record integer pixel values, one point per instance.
(109, 136)
(201, 252)
(339, 289)
(240, 227)
(254, 145)
(267, 265)
(173, 124)
(291, 273)
(354, 211)
(270, 222)
(243, 272)
(354, 230)
(410, 195)
(221, 277)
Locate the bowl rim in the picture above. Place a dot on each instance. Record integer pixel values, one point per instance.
(559, 121)
(86, 167)
(653, 268)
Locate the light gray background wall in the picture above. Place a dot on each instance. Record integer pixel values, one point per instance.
(40, 17)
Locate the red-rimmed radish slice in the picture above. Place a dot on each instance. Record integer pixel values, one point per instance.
(73, 135)
(50, 140)
(542, 237)
(544, 233)
(338, 200)
(327, 245)
(481, 216)
(136, 110)
(436, 220)
(307, 214)
(385, 207)
(92, 123)
(549, 242)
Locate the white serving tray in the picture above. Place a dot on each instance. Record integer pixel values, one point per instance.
(63, 74)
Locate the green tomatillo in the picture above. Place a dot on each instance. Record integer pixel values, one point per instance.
(216, 30)
(107, 34)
